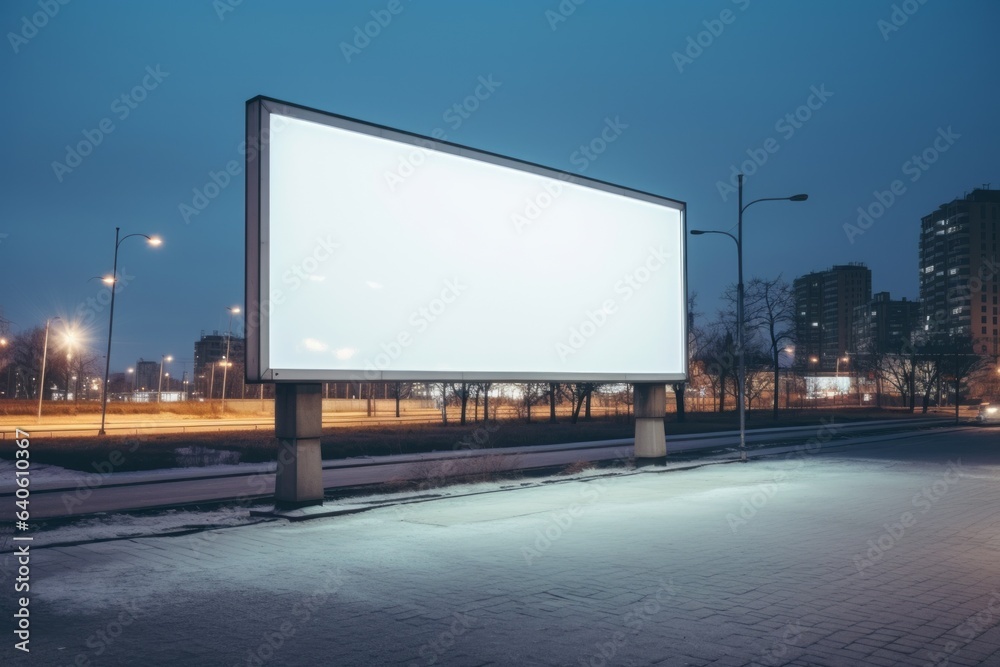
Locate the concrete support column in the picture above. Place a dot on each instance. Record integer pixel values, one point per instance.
(650, 437)
(298, 424)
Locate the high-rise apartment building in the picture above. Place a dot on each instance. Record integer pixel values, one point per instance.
(883, 325)
(959, 270)
(212, 348)
(147, 375)
(825, 303)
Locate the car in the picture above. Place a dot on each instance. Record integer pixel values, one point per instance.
(988, 412)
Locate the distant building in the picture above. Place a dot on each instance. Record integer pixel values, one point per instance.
(147, 375)
(210, 350)
(883, 325)
(959, 270)
(825, 302)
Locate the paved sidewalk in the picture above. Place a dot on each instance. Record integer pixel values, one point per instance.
(883, 554)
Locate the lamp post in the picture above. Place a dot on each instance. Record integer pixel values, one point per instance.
(6, 390)
(741, 372)
(233, 310)
(166, 358)
(153, 241)
(839, 359)
(45, 350)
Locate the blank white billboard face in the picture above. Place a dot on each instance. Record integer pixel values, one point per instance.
(376, 255)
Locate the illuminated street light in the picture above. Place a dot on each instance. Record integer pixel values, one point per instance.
(233, 310)
(166, 358)
(839, 359)
(741, 375)
(6, 390)
(153, 241)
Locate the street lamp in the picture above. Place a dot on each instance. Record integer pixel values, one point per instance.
(233, 310)
(45, 350)
(166, 358)
(211, 382)
(6, 390)
(153, 241)
(839, 359)
(741, 375)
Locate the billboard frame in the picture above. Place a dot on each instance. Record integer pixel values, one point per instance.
(256, 270)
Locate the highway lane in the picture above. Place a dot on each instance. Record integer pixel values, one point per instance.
(135, 491)
(122, 426)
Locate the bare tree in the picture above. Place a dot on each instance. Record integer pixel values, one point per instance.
(444, 403)
(958, 363)
(872, 361)
(758, 378)
(531, 394)
(899, 371)
(680, 387)
(486, 386)
(26, 355)
(717, 356)
(771, 303)
(554, 390)
(580, 393)
(462, 391)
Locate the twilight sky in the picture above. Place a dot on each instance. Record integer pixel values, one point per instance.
(838, 100)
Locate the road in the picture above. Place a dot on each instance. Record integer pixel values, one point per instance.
(94, 493)
(882, 553)
(89, 425)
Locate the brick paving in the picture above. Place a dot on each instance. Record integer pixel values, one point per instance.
(881, 554)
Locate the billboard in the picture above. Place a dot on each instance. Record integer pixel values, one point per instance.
(378, 255)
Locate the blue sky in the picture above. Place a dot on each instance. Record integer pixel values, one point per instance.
(700, 88)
